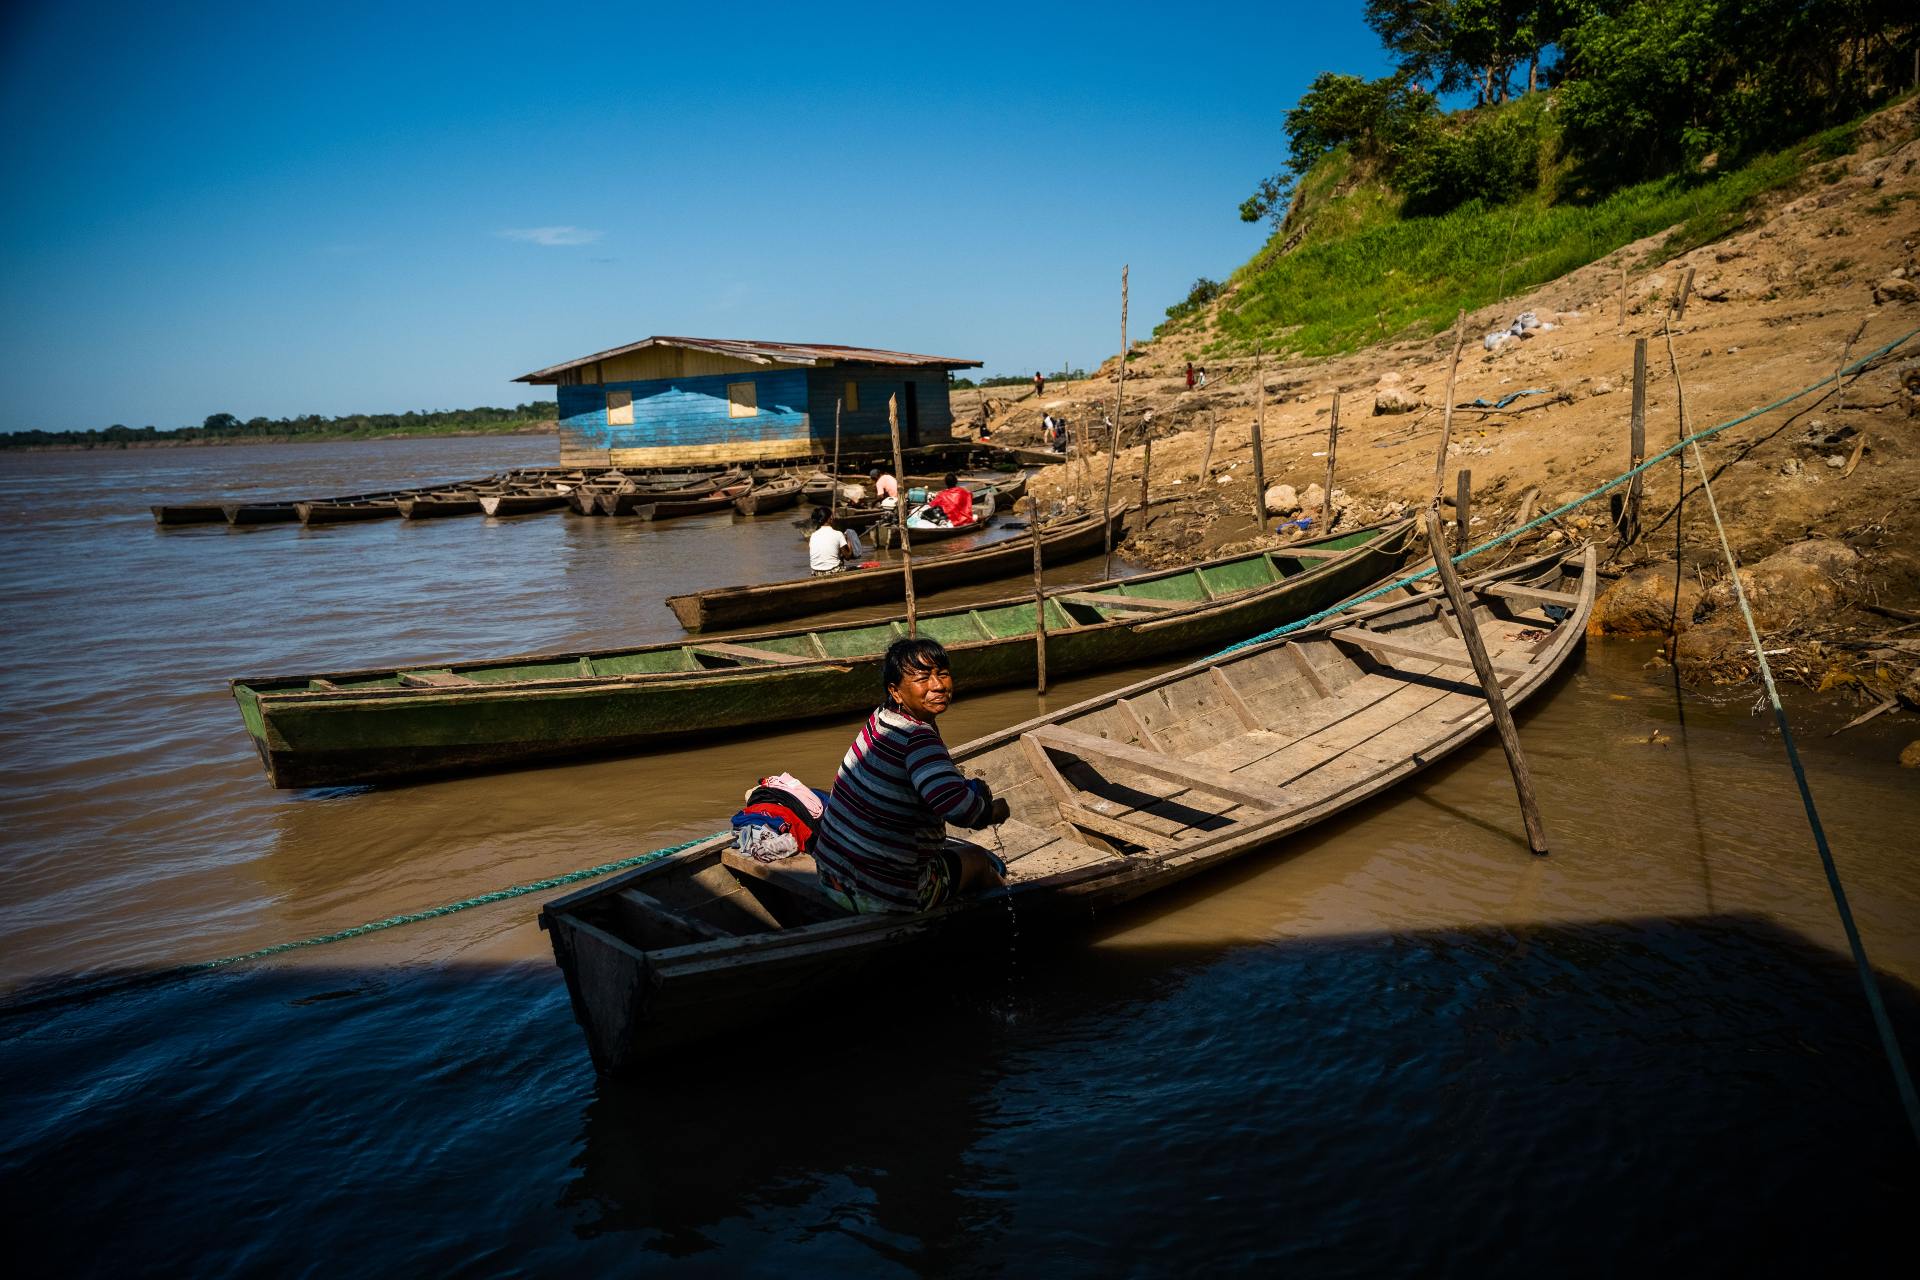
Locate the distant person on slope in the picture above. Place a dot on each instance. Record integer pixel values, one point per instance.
(1189, 375)
(1039, 385)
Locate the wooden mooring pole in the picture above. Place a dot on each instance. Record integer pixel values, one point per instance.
(1446, 418)
(1686, 289)
(1039, 605)
(1146, 465)
(1113, 434)
(1636, 446)
(1326, 490)
(900, 507)
(1259, 454)
(1206, 459)
(1622, 323)
(1489, 682)
(1462, 509)
(836, 456)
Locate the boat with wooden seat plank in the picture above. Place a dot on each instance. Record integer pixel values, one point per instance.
(727, 607)
(436, 505)
(387, 724)
(520, 502)
(1115, 798)
(923, 529)
(326, 511)
(668, 508)
(627, 499)
(766, 497)
(188, 513)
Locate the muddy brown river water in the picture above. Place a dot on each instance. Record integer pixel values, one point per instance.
(1399, 1043)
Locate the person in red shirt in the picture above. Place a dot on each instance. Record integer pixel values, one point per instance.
(1189, 375)
(955, 501)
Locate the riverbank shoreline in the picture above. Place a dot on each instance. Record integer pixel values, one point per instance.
(546, 428)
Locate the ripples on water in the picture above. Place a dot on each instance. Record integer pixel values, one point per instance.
(1402, 1045)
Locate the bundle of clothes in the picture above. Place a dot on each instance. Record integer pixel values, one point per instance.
(779, 819)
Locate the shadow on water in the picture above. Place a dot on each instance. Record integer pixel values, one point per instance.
(1698, 1092)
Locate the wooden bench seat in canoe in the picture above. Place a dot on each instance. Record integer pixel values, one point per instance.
(797, 876)
(745, 652)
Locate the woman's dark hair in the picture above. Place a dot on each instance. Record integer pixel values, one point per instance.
(911, 655)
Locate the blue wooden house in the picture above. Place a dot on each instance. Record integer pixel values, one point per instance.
(694, 401)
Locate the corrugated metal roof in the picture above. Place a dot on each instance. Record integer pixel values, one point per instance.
(806, 353)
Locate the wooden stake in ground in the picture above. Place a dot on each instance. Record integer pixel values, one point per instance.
(1146, 465)
(1462, 509)
(1326, 490)
(1446, 418)
(836, 456)
(1259, 454)
(1206, 459)
(1686, 288)
(1623, 296)
(1039, 605)
(900, 506)
(1636, 446)
(1489, 682)
(1113, 436)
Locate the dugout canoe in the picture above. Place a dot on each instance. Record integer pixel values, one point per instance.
(325, 511)
(522, 502)
(434, 506)
(742, 605)
(628, 499)
(1112, 799)
(774, 495)
(188, 513)
(381, 725)
(654, 508)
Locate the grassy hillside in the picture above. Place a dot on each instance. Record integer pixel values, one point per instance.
(1347, 269)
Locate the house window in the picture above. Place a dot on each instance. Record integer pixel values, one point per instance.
(850, 396)
(619, 408)
(743, 400)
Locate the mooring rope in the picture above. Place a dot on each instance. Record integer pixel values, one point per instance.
(88, 989)
(1561, 510)
(1888, 1041)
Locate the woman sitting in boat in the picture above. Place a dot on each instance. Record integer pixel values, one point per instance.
(955, 501)
(882, 844)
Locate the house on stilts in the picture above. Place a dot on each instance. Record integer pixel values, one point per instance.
(699, 401)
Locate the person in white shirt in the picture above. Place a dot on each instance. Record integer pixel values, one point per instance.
(827, 548)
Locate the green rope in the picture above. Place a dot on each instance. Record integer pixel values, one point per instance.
(1889, 1043)
(1561, 510)
(68, 993)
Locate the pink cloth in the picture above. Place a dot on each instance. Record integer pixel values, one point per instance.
(887, 487)
(804, 794)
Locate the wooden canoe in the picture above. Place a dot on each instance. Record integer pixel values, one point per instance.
(325, 512)
(520, 502)
(188, 513)
(386, 724)
(742, 605)
(673, 508)
(434, 506)
(629, 498)
(774, 495)
(1112, 799)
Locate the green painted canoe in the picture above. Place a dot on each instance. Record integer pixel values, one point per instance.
(381, 725)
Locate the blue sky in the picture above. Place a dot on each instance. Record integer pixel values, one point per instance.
(273, 209)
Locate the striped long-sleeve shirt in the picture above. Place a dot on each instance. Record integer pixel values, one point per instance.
(895, 792)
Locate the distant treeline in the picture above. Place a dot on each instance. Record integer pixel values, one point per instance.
(224, 426)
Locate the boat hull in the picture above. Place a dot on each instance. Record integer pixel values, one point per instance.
(310, 738)
(742, 606)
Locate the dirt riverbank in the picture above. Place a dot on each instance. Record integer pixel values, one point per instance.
(1821, 497)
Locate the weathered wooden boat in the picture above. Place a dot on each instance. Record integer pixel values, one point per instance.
(338, 511)
(520, 502)
(741, 605)
(673, 508)
(774, 495)
(379, 725)
(627, 499)
(188, 513)
(921, 529)
(435, 505)
(1112, 799)
(247, 513)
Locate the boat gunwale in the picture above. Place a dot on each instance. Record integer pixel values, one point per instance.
(1151, 869)
(1200, 609)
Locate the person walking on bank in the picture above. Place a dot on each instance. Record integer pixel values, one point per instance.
(1039, 385)
(1189, 375)
(882, 844)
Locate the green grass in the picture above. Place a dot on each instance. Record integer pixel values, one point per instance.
(1365, 275)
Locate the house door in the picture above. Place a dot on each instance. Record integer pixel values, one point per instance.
(912, 406)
